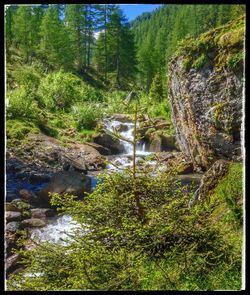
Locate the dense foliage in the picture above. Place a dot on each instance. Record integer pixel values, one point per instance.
(63, 36)
(138, 233)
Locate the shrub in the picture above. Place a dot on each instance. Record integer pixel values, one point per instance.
(60, 90)
(86, 115)
(115, 102)
(230, 190)
(156, 90)
(139, 234)
(27, 78)
(20, 104)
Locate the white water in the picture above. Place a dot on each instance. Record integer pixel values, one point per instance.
(124, 160)
(58, 229)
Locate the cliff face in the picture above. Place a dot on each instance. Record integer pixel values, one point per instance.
(206, 93)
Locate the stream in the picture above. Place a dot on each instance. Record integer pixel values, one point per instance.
(57, 227)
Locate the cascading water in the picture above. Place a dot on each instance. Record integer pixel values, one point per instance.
(126, 130)
(58, 228)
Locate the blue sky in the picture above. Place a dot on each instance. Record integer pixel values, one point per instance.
(133, 10)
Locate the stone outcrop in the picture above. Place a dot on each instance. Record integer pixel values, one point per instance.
(110, 142)
(206, 93)
(66, 182)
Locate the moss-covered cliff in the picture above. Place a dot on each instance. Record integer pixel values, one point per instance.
(206, 93)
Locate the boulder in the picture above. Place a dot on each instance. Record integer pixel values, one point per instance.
(101, 149)
(29, 196)
(206, 100)
(21, 204)
(122, 118)
(13, 216)
(110, 142)
(11, 207)
(121, 128)
(12, 226)
(168, 142)
(159, 142)
(42, 213)
(32, 222)
(66, 182)
(10, 242)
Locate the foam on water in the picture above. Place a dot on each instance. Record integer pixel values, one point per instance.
(57, 230)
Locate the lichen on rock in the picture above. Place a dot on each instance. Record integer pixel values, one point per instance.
(205, 94)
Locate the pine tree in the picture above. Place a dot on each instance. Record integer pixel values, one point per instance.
(156, 90)
(117, 41)
(25, 34)
(55, 40)
(75, 21)
(9, 30)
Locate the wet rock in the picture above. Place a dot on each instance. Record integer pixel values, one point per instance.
(190, 178)
(66, 182)
(33, 222)
(38, 178)
(121, 128)
(101, 149)
(11, 207)
(159, 142)
(10, 242)
(12, 226)
(122, 118)
(106, 140)
(42, 213)
(13, 216)
(29, 196)
(21, 204)
(168, 142)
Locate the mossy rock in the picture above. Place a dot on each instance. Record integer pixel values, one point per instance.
(21, 204)
(226, 43)
(17, 129)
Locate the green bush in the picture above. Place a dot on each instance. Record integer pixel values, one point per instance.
(87, 115)
(230, 190)
(20, 104)
(17, 129)
(59, 90)
(114, 101)
(156, 89)
(140, 234)
(27, 78)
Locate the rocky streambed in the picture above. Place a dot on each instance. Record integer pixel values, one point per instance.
(44, 165)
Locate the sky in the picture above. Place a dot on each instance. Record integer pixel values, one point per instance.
(133, 10)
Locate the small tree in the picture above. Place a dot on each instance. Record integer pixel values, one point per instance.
(156, 90)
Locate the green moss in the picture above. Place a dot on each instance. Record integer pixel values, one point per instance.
(218, 111)
(225, 43)
(17, 129)
(229, 195)
(234, 60)
(200, 61)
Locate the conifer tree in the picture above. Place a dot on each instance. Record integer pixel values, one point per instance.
(55, 40)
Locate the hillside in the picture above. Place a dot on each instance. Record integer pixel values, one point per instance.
(157, 35)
